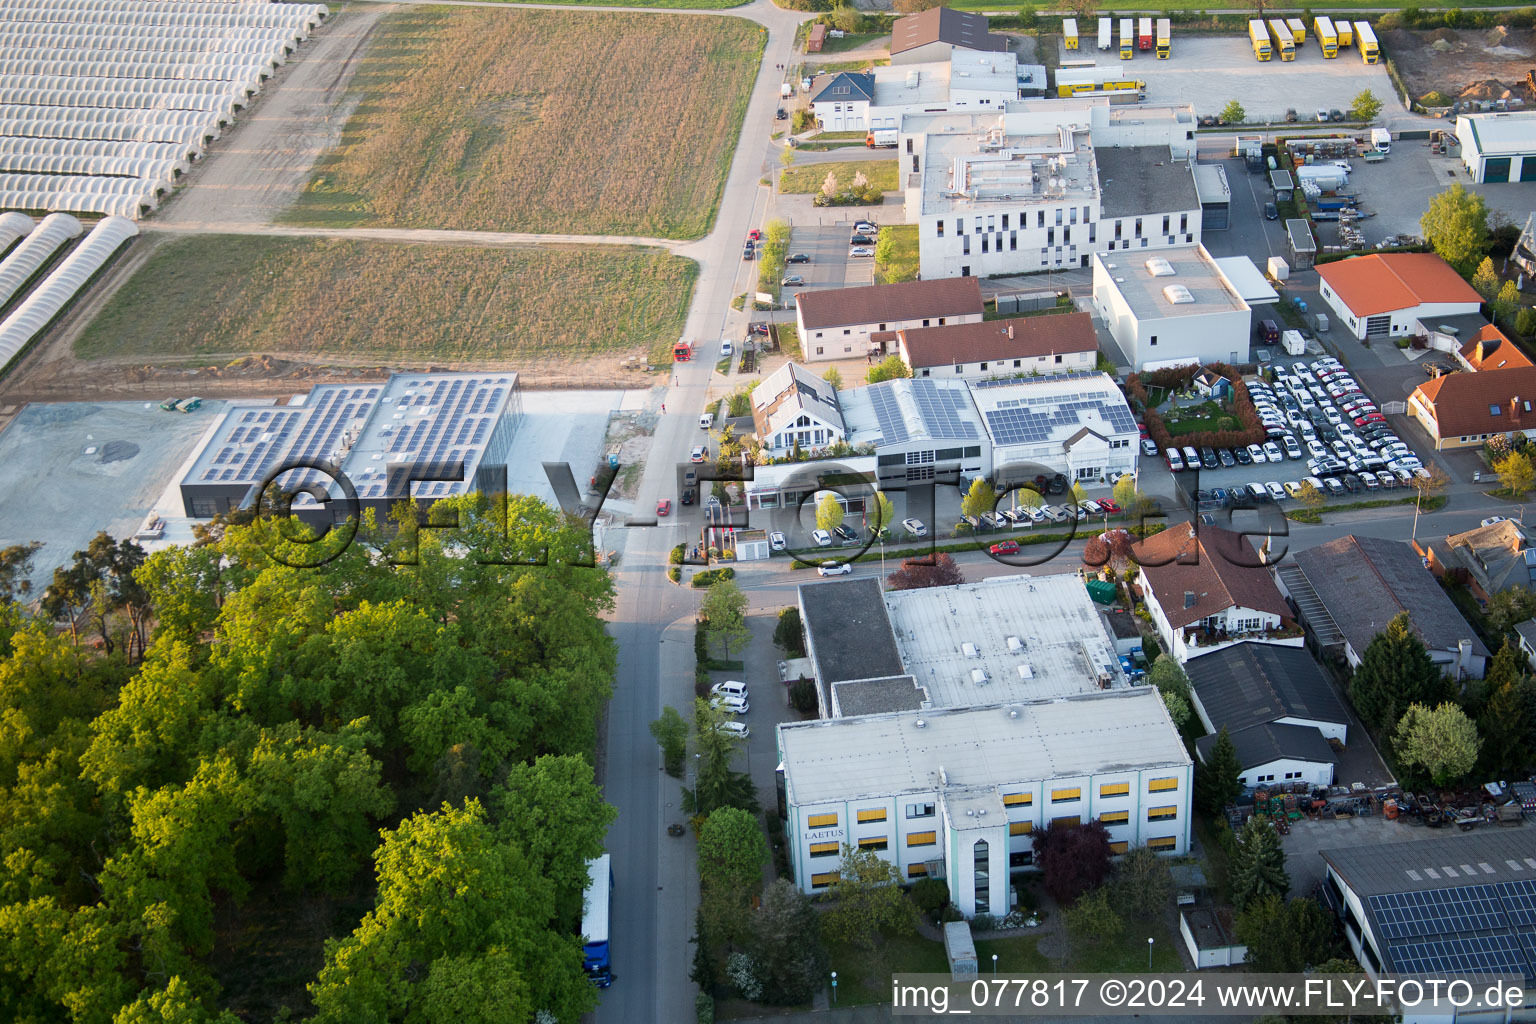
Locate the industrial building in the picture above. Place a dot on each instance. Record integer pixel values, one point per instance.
(1062, 343)
(1075, 424)
(1394, 295)
(938, 33)
(1045, 184)
(1498, 147)
(957, 793)
(426, 435)
(1428, 908)
(1178, 305)
(875, 101)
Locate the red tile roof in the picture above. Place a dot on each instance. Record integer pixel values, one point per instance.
(1383, 282)
(888, 303)
(1225, 573)
(1489, 349)
(1463, 404)
(1021, 338)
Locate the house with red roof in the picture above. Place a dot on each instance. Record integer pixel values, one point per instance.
(1387, 295)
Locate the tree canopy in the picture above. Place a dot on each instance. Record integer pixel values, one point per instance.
(1456, 227)
(916, 573)
(1073, 858)
(1395, 671)
(413, 719)
(1440, 742)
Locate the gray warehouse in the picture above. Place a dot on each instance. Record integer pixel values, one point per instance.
(439, 435)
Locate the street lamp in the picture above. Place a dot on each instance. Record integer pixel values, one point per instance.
(994, 963)
(1149, 952)
(834, 988)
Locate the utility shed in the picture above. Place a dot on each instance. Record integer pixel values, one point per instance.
(1283, 184)
(960, 949)
(1303, 247)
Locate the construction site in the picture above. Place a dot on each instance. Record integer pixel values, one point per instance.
(1446, 67)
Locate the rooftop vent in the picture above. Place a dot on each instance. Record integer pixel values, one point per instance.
(1013, 712)
(979, 676)
(1157, 266)
(920, 724)
(1177, 294)
(970, 650)
(1014, 644)
(1025, 672)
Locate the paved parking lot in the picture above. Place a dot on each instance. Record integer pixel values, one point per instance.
(1398, 191)
(1210, 71)
(830, 266)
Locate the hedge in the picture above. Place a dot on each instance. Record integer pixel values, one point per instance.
(708, 576)
(1178, 378)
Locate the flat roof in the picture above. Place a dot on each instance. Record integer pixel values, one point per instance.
(1247, 280)
(878, 756)
(847, 631)
(936, 82)
(1003, 628)
(911, 409)
(1192, 267)
(1053, 410)
(1301, 235)
(876, 696)
(974, 162)
(1211, 185)
(1136, 180)
(1503, 134)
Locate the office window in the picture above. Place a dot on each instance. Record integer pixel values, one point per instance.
(966, 246)
(1005, 222)
(1162, 785)
(1165, 224)
(1020, 828)
(819, 350)
(1162, 813)
(1163, 843)
(919, 810)
(982, 873)
(1093, 231)
(1066, 821)
(1119, 847)
(824, 849)
(1039, 218)
(941, 229)
(821, 821)
(1115, 817)
(965, 271)
(917, 870)
(1013, 241)
(1154, 339)
(1021, 859)
(1119, 230)
(983, 367)
(984, 247)
(1138, 228)
(871, 814)
(824, 879)
(1183, 222)
(1114, 789)
(846, 332)
(1050, 237)
(873, 843)
(1066, 235)
(1073, 218)
(882, 327)
(1061, 796)
(909, 145)
(1086, 216)
(992, 222)
(1018, 799)
(923, 839)
(1015, 364)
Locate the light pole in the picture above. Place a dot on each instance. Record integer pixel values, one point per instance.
(834, 988)
(1150, 940)
(994, 963)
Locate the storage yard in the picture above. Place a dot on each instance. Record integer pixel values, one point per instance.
(1445, 66)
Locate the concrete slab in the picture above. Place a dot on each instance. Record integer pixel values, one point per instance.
(560, 426)
(1264, 89)
(71, 470)
(1399, 188)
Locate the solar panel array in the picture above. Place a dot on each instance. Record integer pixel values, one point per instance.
(1469, 929)
(942, 409)
(1025, 421)
(334, 409)
(459, 416)
(252, 446)
(893, 427)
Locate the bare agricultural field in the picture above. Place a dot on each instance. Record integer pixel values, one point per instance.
(223, 296)
(482, 118)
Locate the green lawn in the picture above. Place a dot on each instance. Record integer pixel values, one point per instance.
(202, 296)
(896, 261)
(1128, 953)
(852, 41)
(1162, 6)
(832, 67)
(1194, 419)
(864, 977)
(806, 180)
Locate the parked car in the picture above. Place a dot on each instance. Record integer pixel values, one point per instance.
(914, 527)
(1335, 115)
(861, 252)
(822, 538)
(777, 541)
(1257, 454)
(1272, 452)
(1292, 447)
(729, 688)
(664, 507)
(1334, 487)
(1174, 459)
(1322, 115)
(792, 281)
(845, 534)
(1058, 484)
(1191, 457)
(731, 705)
(1271, 211)
(861, 240)
(736, 730)
(1149, 447)
(748, 254)
(797, 257)
(1005, 547)
(834, 570)
(698, 454)
(1226, 458)
(1242, 456)
(1108, 507)
(1495, 519)
(1093, 507)
(1258, 492)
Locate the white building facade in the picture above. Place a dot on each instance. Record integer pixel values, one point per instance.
(1498, 147)
(1171, 306)
(961, 792)
(1077, 424)
(836, 323)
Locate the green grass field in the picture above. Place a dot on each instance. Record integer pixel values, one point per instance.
(487, 119)
(225, 295)
(898, 261)
(1168, 6)
(808, 179)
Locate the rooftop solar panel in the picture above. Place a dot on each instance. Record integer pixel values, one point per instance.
(1485, 954)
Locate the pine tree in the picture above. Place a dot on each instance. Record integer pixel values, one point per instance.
(1217, 778)
(1258, 869)
(1395, 671)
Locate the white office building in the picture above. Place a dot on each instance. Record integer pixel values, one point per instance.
(1077, 424)
(1046, 184)
(958, 793)
(1178, 304)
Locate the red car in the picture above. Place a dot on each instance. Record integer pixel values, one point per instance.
(754, 235)
(1142, 427)
(1374, 417)
(1107, 506)
(1005, 547)
(664, 507)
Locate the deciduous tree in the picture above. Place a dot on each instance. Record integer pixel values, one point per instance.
(1178, 709)
(1092, 920)
(1309, 496)
(916, 573)
(1073, 858)
(786, 943)
(980, 499)
(1516, 474)
(1456, 226)
(1233, 112)
(1508, 608)
(724, 609)
(1506, 303)
(732, 852)
(1486, 279)
(884, 517)
(671, 733)
(1365, 107)
(833, 378)
(867, 901)
(1442, 742)
(829, 512)
(1142, 887)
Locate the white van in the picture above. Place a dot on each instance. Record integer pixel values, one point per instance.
(731, 688)
(726, 347)
(706, 421)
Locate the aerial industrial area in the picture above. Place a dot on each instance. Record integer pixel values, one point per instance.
(720, 511)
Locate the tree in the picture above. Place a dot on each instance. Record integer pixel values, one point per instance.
(789, 634)
(787, 156)
(1168, 676)
(1486, 279)
(980, 499)
(1126, 495)
(1073, 858)
(1077, 492)
(885, 515)
(732, 852)
(867, 901)
(1441, 741)
(1178, 709)
(1395, 671)
(671, 733)
(1142, 886)
(1506, 303)
(1233, 113)
(1508, 719)
(1456, 227)
(16, 570)
(785, 940)
(829, 185)
(889, 368)
(1092, 921)
(1258, 868)
(1365, 107)
(1218, 777)
(1283, 938)
(829, 512)
(914, 6)
(724, 609)
(918, 573)
(1027, 497)
(1310, 496)
(717, 784)
(1508, 608)
(1525, 322)
(833, 378)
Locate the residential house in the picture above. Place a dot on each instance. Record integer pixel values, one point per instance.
(1348, 589)
(1207, 589)
(1076, 424)
(842, 105)
(937, 33)
(1489, 349)
(1058, 343)
(1487, 559)
(794, 407)
(1210, 384)
(1386, 295)
(1526, 631)
(1462, 410)
(836, 323)
(1278, 707)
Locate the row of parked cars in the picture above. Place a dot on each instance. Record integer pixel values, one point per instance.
(730, 697)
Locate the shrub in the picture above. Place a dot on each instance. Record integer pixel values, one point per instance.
(983, 923)
(675, 557)
(704, 1008)
(675, 574)
(950, 913)
(802, 696)
(788, 634)
(708, 577)
(930, 894)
